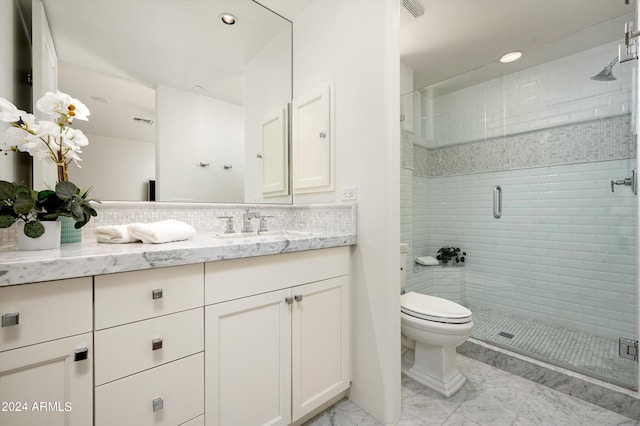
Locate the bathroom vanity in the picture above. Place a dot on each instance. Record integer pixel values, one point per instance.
(207, 331)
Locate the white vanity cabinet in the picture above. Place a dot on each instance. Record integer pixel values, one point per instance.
(46, 375)
(149, 338)
(277, 336)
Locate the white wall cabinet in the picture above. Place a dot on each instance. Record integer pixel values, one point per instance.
(46, 352)
(286, 350)
(313, 144)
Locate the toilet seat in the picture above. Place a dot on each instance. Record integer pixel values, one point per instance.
(433, 308)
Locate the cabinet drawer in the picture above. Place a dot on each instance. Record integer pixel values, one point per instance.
(34, 313)
(178, 388)
(232, 279)
(133, 296)
(128, 349)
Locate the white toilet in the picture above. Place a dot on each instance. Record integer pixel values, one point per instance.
(432, 327)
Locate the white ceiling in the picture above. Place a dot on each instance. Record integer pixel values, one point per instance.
(456, 36)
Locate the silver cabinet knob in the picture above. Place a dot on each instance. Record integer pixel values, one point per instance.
(81, 354)
(156, 293)
(288, 300)
(298, 297)
(11, 319)
(157, 404)
(156, 344)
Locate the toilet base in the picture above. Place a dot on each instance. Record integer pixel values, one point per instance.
(434, 367)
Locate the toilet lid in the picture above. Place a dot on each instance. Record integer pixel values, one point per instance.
(434, 308)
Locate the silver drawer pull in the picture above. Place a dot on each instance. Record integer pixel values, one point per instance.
(156, 344)
(11, 319)
(298, 297)
(158, 404)
(81, 354)
(156, 293)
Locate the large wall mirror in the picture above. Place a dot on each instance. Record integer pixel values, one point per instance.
(180, 100)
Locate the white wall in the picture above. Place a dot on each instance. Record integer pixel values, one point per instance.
(267, 88)
(116, 169)
(355, 45)
(210, 131)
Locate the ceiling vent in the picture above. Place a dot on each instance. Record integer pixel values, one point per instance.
(413, 7)
(142, 120)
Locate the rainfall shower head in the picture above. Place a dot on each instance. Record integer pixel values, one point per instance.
(606, 74)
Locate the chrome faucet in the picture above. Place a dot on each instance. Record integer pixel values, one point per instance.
(246, 220)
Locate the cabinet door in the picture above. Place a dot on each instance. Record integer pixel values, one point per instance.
(248, 361)
(44, 385)
(312, 142)
(275, 154)
(320, 343)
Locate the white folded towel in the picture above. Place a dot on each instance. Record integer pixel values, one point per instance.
(164, 231)
(427, 261)
(115, 234)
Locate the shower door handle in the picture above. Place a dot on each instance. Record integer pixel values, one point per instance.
(497, 202)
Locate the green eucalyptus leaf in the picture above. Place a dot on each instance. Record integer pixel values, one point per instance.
(23, 204)
(7, 190)
(33, 229)
(66, 190)
(6, 221)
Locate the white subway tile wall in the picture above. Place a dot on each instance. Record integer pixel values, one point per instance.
(563, 251)
(552, 94)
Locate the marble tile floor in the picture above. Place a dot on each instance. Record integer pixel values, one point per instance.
(586, 353)
(490, 397)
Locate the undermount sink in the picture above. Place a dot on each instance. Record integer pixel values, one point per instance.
(266, 235)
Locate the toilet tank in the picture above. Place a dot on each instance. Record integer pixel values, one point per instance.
(404, 250)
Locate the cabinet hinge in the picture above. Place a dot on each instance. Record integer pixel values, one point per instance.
(628, 349)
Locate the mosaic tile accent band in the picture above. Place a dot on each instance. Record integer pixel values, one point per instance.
(597, 140)
(339, 218)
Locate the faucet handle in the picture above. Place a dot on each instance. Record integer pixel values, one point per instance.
(228, 224)
(263, 223)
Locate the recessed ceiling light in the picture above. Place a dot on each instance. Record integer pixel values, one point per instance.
(511, 56)
(228, 18)
(100, 99)
(197, 88)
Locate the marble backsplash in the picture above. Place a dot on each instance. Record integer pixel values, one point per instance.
(204, 217)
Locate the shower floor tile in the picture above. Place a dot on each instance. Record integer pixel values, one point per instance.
(572, 349)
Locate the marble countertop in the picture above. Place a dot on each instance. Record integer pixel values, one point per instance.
(91, 258)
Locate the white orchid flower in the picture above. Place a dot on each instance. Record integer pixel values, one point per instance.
(11, 138)
(9, 113)
(61, 103)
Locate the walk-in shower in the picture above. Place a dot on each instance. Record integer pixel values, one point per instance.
(553, 276)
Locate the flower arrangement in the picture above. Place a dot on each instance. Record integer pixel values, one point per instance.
(54, 139)
(47, 139)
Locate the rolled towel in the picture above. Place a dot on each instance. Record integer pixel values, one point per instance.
(114, 234)
(427, 261)
(164, 231)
